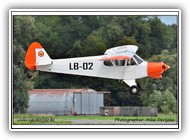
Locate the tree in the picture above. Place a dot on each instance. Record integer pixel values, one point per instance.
(127, 41)
(20, 91)
(18, 55)
(155, 99)
(169, 102)
(94, 45)
(21, 84)
(23, 30)
(112, 33)
(161, 36)
(164, 101)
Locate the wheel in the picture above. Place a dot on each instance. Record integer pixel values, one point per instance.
(134, 90)
(29, 75)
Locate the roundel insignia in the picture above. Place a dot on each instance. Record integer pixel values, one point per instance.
(40, 53)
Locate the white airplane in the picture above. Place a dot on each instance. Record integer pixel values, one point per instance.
(117, 63)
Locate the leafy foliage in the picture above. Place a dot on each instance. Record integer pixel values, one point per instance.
(164, 101)
(20, 95)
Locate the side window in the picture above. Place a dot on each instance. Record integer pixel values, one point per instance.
(108, 63)
(119, 62)
(131, 62)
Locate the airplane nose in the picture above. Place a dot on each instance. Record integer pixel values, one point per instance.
(165, 67)
(155, 69)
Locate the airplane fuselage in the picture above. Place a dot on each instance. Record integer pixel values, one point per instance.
(92, 66)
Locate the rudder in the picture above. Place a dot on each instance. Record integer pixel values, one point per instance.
(36, 56)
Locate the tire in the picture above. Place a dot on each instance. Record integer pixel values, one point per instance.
(29, 75)
(134, 90)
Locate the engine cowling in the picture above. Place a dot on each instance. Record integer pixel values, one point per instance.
(155, 69)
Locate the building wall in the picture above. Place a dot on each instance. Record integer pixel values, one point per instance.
(48, 103)
(88, 103)
(64, 101)
(128, 111)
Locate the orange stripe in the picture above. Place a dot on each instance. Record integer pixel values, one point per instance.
(118, 57)
(30, 58)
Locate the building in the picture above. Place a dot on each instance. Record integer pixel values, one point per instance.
(128, 111)
(65, 101)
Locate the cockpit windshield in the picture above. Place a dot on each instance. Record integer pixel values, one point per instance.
(137, 59)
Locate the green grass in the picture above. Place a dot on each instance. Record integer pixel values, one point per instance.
(23, 119)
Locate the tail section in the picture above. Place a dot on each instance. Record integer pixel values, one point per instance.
(36, 56)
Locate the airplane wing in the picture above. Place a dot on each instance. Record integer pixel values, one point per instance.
(120, 53)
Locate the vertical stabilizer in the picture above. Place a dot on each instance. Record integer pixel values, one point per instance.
(36, 56)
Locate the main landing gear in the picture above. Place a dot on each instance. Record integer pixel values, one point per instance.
(134, 90)
(134, 87)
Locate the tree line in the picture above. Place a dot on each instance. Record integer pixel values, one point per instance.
(74, 36)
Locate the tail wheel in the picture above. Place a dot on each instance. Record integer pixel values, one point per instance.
(29, 75)
(134, 90)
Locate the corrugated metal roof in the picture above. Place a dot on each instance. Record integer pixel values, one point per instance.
(59, 91)
(104, 92)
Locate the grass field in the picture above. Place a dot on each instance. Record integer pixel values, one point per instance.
(26, 119)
